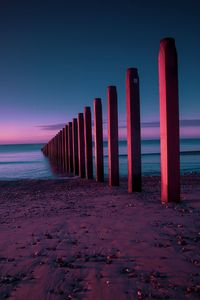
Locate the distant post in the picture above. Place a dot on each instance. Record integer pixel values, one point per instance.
(66, 149)
(75, 146)
(81, 145)
(88, 142)
(113, 152)
(169, 121)
(133, 130)
(63, 150)
(98, 140)
(70, 148)
(60, 147)
(57, 149)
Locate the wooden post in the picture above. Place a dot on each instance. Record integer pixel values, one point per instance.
(56, 149)
(66, 149)
(70, 148)
(113, 152)
(81, 145)
(75, 146)
(60, 138)
(88, 142)
(169, 121)
(98, 140)
(59, 158)
(133, 130)
(63, 150)
(60, 150)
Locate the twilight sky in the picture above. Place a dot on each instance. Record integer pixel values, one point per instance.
(56, 56)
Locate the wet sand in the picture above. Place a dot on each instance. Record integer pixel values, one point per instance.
(78, 239)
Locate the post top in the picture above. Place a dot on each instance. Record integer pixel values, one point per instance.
(111, 87)
(97, 99)
(167, 40)
(87, 108)
(132, 72)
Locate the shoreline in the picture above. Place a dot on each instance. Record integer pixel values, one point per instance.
(78, 239)
(122, 178)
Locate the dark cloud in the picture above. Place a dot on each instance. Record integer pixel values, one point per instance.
(122, 124)
(52, 126)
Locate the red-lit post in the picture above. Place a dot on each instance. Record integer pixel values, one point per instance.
(60, 146)
(57, 149)
(169, 121)
(66, 149)
(113, 151)
(70, 148)
(75, 146)
(81, 145)
(133, 130)
(98, 140)
(88, 142)
(63, 149)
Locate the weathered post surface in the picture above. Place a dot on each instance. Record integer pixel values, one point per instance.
(75, 146)
(169, 121)
(81, 145)
(70, 148)
(98, 140)
(88, 142)
(113, 151)
(133, 130)
(66, 148)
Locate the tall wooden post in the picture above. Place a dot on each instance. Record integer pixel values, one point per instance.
(133, 130)
(98, 140)
(75, 146)
(56, 149)
(169, 121)
(70, 148)
(66, 148)
(113, 151)
(60, 151)
(88, 142)
(81, 145)
(63, 150)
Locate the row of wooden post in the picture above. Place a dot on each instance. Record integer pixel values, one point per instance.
(72, 146)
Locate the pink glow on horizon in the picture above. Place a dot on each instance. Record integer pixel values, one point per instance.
(190, 132)
(23, 134)
(14, 134)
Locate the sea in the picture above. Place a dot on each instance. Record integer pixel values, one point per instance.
(26, 161)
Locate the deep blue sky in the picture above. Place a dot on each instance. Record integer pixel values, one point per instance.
(56, 56)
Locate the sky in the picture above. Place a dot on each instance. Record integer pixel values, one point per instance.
(56, 56)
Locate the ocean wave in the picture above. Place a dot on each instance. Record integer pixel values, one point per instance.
(191, 152)
(18, 162)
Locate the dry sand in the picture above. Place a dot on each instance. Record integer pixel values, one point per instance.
(78, 239)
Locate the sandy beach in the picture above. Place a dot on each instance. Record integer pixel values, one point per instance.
(78, 239)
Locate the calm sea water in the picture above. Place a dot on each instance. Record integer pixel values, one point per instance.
(27, 161)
